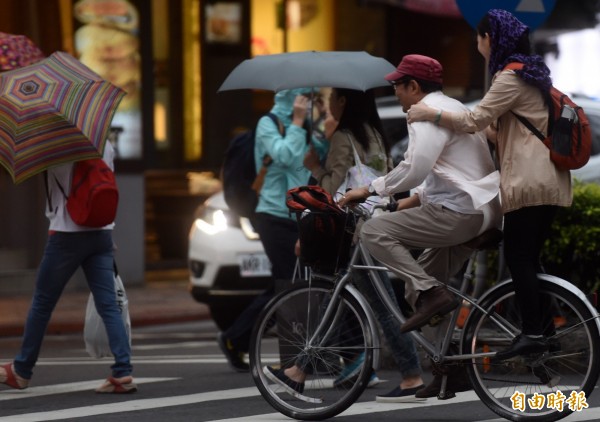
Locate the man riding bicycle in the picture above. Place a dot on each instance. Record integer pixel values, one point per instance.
(455, 198)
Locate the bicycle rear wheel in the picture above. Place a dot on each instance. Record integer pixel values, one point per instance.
(281, 338)
(533, 387)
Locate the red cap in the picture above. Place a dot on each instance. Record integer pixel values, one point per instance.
(419, 67)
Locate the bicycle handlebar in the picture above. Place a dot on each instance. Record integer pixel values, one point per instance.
(366, 212)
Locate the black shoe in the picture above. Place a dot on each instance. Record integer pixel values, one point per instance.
(235, 358)
(457, 381)
(435, 301)
(522, 345)
(399, 395)
(279, 377)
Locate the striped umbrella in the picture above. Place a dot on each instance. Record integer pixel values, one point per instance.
(53, 112)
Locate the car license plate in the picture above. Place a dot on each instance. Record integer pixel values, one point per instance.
(254, 265)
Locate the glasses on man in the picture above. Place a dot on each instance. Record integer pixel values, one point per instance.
(394, 84)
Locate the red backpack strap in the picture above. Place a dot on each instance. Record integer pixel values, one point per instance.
(514, 66)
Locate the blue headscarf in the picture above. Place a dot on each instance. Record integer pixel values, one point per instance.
(506, 30)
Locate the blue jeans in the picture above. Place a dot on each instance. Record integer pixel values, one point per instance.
(64, 253)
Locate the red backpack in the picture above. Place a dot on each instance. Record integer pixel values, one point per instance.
(94, 196)
(324, 229)
(313, 198)
(569, 137)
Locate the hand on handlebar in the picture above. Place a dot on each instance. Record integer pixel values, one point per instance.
(354, 196)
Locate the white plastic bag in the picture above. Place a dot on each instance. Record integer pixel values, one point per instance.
(94, 331)
(357, 176)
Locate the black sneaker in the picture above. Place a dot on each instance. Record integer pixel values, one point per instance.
(522, 345)
(279, 377)
(399, 395)
(235, 358)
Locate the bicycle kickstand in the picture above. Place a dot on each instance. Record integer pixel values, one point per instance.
(445, 394)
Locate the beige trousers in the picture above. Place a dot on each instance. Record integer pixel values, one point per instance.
(437, 229)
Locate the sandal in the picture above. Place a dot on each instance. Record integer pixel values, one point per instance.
(12, 379)
(113, 385)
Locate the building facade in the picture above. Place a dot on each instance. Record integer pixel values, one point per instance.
(172, 128)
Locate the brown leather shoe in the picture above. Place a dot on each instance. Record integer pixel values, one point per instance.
(435, 301)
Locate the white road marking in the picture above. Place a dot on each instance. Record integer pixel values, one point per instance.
(132, 405)
(70, 387)
(142, 360)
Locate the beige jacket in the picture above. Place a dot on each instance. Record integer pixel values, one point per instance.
(341, 157)
(527, 176)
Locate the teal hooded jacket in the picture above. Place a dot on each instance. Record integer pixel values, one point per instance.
(286, 171)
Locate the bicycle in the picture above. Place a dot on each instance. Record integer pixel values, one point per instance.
(308, 325)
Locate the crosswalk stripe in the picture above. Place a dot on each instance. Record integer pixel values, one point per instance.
(70, 387)
(135, 361)
(132, 405)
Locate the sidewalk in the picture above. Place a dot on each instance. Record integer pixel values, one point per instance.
(156, 302)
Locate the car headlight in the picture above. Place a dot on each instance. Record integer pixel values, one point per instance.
(216, 220)
(212, 221)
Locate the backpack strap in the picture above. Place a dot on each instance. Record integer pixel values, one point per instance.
(267, 159)
(48, 190)
(277, 123)
(527, 123)
(529, 126)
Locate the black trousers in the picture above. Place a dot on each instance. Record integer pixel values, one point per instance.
(525, 231)
(278, 236)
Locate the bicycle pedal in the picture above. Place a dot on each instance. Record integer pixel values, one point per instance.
(446, 396)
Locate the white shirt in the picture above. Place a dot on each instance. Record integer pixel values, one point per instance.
(448, 168)
(59, 217)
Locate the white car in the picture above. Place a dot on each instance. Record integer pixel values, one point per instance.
(227, 263)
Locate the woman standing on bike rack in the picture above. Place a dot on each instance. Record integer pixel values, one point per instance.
(531, 185)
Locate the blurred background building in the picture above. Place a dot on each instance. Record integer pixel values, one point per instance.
(173, 127)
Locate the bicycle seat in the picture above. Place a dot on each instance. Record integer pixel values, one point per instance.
(489, 239)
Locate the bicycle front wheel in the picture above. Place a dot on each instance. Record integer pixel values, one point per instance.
(541, 387)
(337, 361)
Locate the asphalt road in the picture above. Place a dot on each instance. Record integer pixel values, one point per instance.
(183, 377)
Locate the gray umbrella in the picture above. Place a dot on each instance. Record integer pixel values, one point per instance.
(340, 69)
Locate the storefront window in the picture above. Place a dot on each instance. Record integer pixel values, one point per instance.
(107, 41)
